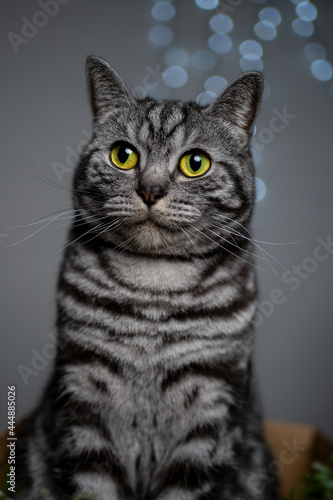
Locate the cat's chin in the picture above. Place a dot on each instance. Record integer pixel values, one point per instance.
(152, 237)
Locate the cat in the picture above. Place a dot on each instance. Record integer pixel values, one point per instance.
(153, 395)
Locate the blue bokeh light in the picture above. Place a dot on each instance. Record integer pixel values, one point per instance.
(163, 11)
(161, 35)
(265, 30)
(203, 60)
(314, 51)
(221, 23)
(251, 65)
(161, 91)
(220, 43)
(256, 155)
(306, 11)
(174, 77)
(302, 27)
(322, 70)
(176, 56)
(267, 90)
(270, 14)
(207, 4)
(215, 84)
(205, 98)
(260, 189)
(251, 50)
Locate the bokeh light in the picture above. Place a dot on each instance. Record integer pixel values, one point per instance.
(161, 35)
(205, 98)
(220, 43)
(163, 11)
(207, 4)
(256, 156)
(265, 30)
(215, 84)
(314, 51)
(270, 14)
(251, 50)
(322, 70)
(161, 91)
(306, 11)
(302, 27)
(260, 189)
(203, 60)
(221, 23)
(176, 56)
(267, 90)
(174, 77)
(248, 65)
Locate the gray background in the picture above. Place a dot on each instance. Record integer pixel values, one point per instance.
(45, 110)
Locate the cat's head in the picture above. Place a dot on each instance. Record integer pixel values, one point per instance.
(167, 177)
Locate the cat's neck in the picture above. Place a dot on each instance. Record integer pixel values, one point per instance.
(160, 273)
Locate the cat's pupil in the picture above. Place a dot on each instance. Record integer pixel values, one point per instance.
(195, 162)
(123, 154)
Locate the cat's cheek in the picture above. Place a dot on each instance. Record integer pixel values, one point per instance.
(139, 210)
(160, 213)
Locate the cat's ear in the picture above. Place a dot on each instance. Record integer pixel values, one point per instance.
(106, 88)
(239, 102)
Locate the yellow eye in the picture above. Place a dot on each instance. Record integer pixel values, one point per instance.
(194, 164)
(123, 156)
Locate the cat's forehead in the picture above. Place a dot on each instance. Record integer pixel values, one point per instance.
(164, 124)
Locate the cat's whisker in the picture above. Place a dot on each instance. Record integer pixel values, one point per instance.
(35, 232)
(235, 244)
(252, 238)
(125, 243)
(265, 253)
(50, 182)
(40, 221)
(67, 245)
(80, 221)
(189, 238)
(230, 233)
(106, 227)
(226, 249)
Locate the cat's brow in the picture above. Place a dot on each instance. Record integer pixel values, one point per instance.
(172, 119)
(165, 118)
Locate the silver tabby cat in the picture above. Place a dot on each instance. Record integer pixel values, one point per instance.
(153, 395)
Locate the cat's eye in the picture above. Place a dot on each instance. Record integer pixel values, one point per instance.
(124, 156)
(194, 164)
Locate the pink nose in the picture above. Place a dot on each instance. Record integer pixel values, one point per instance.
(150, 194)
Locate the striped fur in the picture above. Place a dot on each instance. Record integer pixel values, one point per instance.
(153, 395)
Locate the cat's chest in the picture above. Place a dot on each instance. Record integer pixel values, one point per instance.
(151, 421)
(155, 274)
(136, 427)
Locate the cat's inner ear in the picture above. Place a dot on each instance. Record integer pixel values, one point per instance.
(107, 90)
(239, 103)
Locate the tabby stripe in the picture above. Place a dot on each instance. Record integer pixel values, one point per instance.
(71, 352)
(75, 308)
(225, 372)
(205, 430)
(217, 296)
(165, 310)
(100, 462)
(193, 476)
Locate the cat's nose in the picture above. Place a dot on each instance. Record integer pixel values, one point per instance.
(150, 194)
